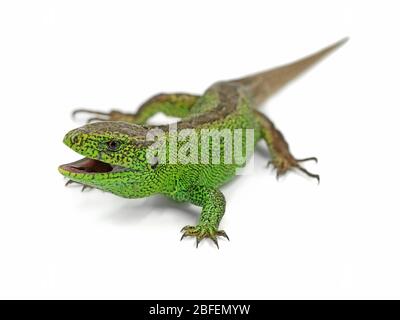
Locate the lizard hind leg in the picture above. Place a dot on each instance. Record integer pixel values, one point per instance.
(282, 159)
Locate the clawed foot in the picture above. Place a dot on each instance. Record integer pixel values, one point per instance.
(202, 232)
(84, 186)
(282, 165)
(113, 115)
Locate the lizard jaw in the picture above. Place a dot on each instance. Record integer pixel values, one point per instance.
(90, 166)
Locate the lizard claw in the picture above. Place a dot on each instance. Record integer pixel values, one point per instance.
(69, 182)
(283, 165)
(312, 175)
(84, 186)
(93, 119)
(308, 159)
(222, 233)
(201, 232)
(185, 228)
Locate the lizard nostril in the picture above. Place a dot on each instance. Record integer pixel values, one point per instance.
(74, 139)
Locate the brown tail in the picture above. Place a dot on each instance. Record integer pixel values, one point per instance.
(263, 85)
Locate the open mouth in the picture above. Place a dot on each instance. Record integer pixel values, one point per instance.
(87, 165)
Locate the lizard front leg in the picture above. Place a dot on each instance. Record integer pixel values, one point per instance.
(212, 202)
(175, 105)
(282, 159)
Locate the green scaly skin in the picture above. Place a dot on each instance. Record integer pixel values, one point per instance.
(118, 144)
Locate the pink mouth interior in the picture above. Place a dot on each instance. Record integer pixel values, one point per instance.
(87, 165)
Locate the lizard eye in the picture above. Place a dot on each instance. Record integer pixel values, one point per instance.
(112, 145)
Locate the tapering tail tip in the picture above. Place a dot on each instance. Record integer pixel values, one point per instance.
(320, 54)
(340, 42)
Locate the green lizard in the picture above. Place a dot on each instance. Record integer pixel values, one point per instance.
(116, 147)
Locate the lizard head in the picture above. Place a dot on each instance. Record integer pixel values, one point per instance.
(114, 158)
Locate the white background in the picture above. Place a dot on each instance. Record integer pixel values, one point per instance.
(289, 239)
